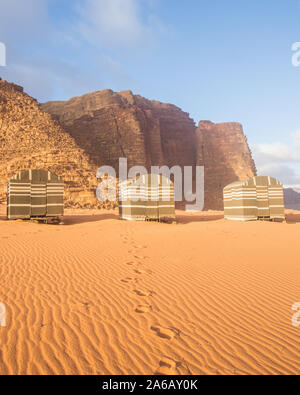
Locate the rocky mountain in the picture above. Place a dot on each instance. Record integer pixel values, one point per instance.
(292, 198)
(30, 138)
(75, 137)
(224, 152)
(109, 125)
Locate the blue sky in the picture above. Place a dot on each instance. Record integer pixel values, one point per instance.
(218, 60)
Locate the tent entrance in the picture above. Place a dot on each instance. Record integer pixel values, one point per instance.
(38, 200)
(263, 204)
(152, 211)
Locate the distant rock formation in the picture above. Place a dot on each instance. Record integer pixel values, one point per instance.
(224, 152)
(75, 137)
(109, 125)
(30, 138)
(292, 198)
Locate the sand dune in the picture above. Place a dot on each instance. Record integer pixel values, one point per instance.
(102, 296)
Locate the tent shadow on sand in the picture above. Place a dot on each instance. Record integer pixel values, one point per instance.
(181, 219)
(186, 219)
(81, 219)
(70, 220)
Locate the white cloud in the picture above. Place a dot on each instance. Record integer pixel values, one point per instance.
(275, 152)
(279, 160)
(296, 138)
(118, 23)
(114, 21)
(285, 173)
(91, 43)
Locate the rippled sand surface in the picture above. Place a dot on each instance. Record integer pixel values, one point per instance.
(103, 296)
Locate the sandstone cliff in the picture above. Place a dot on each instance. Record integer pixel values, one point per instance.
(223, 150)
(109, 125)
(74, 138)
(29, 138)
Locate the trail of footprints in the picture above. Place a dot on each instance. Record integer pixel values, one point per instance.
(167, 366)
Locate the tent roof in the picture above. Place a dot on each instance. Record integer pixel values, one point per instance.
(25, 174)
(235, 184)
(258, 180)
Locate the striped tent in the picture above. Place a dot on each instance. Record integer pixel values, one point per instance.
(35, 194)
(148, 197)
(257, 198)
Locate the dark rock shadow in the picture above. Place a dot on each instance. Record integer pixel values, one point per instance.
(81, 219)
(204, 217)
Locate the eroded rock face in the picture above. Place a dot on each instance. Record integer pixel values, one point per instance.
(30, 138)
(74, 138)
(224, 152)
(109, 125)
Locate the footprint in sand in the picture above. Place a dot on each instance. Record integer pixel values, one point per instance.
(140, 271)
(165, 333)
(85, 304)
(167, 366)
(130, 263)
(142, 309)
(128, 280)
(133, 263)
(143, 293)
(140, 257)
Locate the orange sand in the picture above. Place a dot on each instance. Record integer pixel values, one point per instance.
(103, 296)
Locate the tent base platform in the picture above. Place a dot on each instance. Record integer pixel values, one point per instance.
(45, 220)
(243, 219)
(141, 219)
(271, 219)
